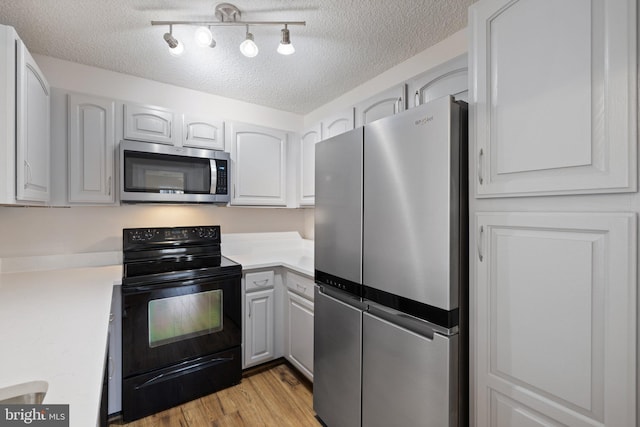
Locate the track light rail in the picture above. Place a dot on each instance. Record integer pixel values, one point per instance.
(228, 24)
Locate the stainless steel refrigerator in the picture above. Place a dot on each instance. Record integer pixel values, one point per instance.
(391, 344)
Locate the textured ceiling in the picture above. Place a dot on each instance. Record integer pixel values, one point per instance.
(345, 42)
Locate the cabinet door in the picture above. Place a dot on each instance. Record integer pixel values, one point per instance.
(306, 181)
(300, 325)
(387, 103)
(338, 123)
(32, 129)
(91, 149)
(259, 329)
(151, 124)
(450, 78)
(202, 132)
(555, 318)
(553, 111)
(259, 156)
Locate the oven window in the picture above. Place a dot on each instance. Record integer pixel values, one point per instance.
(183, 317)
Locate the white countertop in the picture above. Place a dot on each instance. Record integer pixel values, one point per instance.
(262, 250)
(54, 328)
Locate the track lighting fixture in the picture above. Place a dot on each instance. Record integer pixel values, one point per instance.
(285, 47)
(228, 15)
(175, 47)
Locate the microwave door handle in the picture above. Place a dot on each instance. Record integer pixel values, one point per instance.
(214, 176)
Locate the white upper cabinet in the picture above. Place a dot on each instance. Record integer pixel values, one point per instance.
(259, 165)
(32, 129)
(151, 124)
(386, 103)
(555, 322)
(338, 123)
(91, 145)
(306, 180)
(202, 132)
(450, 78)
(553, 93)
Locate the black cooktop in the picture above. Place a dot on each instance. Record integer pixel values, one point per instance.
(169, 254)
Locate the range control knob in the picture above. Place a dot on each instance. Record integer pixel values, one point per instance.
(207, 232)
(213, 233)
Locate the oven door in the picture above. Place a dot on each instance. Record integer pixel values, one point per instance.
(165, 324)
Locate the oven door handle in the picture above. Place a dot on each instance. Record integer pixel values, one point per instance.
(189, 368)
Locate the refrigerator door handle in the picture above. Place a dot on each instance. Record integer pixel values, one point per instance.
(341, 297)
(408, 322)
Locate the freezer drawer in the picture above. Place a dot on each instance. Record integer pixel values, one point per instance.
(407, 379)
(337, 361)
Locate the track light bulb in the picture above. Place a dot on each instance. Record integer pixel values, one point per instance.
(204, 38)
(285, 47)
(175, 47)
(248, 47)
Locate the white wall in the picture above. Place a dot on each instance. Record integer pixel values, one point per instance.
(53, 231)
(97, 81)
(309, 225)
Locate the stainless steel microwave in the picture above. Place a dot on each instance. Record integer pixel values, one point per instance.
(164, 173)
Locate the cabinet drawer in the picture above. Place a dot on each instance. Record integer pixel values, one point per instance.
(258, 280)
(300, 284)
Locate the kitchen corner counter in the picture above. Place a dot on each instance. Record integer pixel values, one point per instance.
(263, 250)
(54, 328)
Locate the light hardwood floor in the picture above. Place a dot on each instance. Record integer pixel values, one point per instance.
(274, 397)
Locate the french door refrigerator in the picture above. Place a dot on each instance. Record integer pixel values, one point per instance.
(391, 344)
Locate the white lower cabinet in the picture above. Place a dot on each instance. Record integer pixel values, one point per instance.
(300, 333)
(299, 322)
(259, 327)
(555, 318)
(278, 318)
